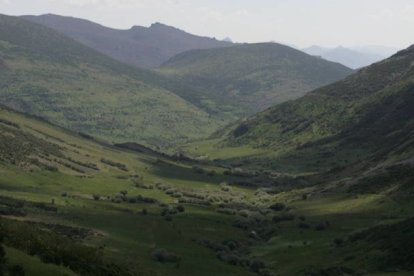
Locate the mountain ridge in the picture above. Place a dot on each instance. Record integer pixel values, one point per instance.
(37, 59)
(145, 47)
(252, 76)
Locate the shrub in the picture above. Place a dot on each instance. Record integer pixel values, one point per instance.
(2, 256)
(224, 187)
(240, 130)
(278, 207)
(321, 226)
(226, 211)
(140, 184)
(96, 197)
(163, 256)
(120, 166)
(16, 270)
(180, 208)
(198, 170)
(170, 191)
(257, 265)
(177, 195)
(338, 242)
(283, 217)
(230, 258)
(303, 225)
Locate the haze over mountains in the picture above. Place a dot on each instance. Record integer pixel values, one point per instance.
(138, 46)
(354, 57)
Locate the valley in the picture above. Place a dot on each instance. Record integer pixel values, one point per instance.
(127, 205)
(152, 151)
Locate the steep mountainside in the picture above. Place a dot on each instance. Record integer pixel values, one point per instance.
(348, 57)
(47, 74)
(367, 116)
(138, 46)
(248, 78)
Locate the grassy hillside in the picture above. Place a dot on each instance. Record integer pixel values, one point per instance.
(248, 78)
(138, 46)
(72, 206)
(47, 74)
(367, 116)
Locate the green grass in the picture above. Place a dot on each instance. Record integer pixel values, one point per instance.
(46, 74)
(40, 162)
(33, 265)
(245, 79)
(367, 117)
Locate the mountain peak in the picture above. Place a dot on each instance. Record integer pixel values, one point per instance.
(160, 26)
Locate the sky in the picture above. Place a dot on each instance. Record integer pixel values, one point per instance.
(299, 23)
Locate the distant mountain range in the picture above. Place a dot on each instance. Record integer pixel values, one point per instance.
(355, 57)
(139, 46)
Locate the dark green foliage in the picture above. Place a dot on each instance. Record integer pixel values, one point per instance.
(278, 207)
(14, 207)
(391, 175)
(8, 123)
(331, 271)
(2, 254)
(163, 256)
(16, 270)
(283, 217)
(18, 148)
(118, 165)
(321, 226)
(338, 242)
(53, 248)
(303, 225)
(395, 242)
(180, 208)
(240, 130)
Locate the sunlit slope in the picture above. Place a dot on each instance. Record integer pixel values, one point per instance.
(367, 116)
(70, 204)
(46, 74)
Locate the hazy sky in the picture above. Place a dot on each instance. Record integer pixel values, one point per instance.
(298, 22)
